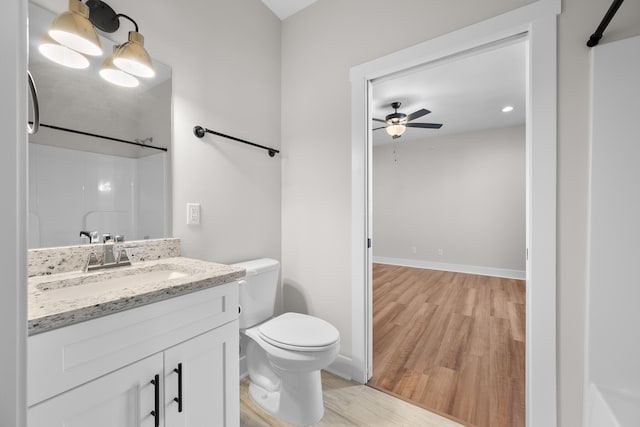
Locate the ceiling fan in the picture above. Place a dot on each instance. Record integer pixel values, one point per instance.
(397, 123)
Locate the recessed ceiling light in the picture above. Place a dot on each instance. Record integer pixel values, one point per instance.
(507, 108)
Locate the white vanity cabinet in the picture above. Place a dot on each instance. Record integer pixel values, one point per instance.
(100, 372)
(124, 398)
(210, 386)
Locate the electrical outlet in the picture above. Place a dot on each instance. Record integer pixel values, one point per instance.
(440, 252)
(414, 250)
(193, 213)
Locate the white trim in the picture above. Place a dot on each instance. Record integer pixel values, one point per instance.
(538, 20)
(456, 268)
(13, 187)
(342, 367)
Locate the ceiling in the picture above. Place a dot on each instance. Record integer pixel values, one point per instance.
(465, 94)
(285, 8)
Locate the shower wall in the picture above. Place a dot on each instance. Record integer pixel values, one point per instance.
(613, 349)
(72, 190)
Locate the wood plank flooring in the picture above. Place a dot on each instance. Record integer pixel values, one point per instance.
(348, 404)
(452, 343)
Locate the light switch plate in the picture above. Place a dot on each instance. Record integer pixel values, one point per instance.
(193, 213)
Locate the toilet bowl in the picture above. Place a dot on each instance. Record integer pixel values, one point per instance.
(285, 353)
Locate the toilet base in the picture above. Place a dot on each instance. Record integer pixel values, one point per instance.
(297, 401)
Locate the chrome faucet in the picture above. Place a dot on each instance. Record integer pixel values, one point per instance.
(91, 235)
(107, 250)
(109, 259)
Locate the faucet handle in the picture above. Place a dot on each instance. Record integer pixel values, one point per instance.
(92, 261)
(123, 258)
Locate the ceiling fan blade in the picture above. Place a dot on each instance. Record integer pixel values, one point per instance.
(383, 127)
(424, 125)
(421, 112)
(379, 120)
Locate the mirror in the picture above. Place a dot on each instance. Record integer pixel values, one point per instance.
(100, 161)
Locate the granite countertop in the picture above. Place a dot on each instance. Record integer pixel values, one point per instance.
(63, 299)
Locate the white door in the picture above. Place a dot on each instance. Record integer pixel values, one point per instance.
(124, 398)
(207, 366)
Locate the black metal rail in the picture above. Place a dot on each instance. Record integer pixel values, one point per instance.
(80, 132)
(199, 131)
(595, 37)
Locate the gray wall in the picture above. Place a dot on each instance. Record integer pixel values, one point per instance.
(319, 45)
(464, 194)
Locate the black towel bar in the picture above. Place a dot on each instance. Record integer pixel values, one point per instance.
(199, 131)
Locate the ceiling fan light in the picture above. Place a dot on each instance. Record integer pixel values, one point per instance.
(74, 30)
(396, 131)
(62, 55)
(132, 57)
(115, 75)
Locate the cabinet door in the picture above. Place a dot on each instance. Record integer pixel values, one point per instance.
(124, 398)
(210, 380)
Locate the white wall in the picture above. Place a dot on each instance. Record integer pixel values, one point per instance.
(614, 232)
(319, 46)
(463, 193)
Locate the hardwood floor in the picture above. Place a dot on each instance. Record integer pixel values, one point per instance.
(348, 404)
(452, 343)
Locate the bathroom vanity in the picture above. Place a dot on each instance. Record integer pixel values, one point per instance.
(153, 344)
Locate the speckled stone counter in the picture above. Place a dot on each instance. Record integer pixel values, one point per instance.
(53, 303)
(45, 261)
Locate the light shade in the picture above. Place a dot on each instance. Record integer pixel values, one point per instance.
(115, 75)
(74, 30)
(132, 57)
(62, 55)
(396, 131)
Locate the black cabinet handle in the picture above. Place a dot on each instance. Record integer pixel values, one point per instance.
(156, 412)
(178, 399)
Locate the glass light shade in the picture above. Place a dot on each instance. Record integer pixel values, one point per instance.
(115, 75)
(396, 130)
(132, 57)
(62, 55)
(74, 30)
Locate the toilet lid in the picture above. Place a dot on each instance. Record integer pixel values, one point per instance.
(299, 330)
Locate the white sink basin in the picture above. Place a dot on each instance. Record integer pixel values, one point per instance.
(109, 282)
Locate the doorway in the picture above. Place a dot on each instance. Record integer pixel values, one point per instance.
(538, 22)
(448, 220)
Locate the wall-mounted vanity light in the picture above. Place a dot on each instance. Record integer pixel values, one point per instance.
(74, 30)
(132, 56)
(73, 33)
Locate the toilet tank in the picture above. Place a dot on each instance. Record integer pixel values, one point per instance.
(257, 291)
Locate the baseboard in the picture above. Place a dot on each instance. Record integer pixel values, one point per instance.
(458, 268)
(341, 367)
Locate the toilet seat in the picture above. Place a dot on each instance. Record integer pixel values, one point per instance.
(299, 332)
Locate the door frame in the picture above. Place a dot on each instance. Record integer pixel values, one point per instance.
(538, 21)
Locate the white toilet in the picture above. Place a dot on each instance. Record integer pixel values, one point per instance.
(286, 353)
